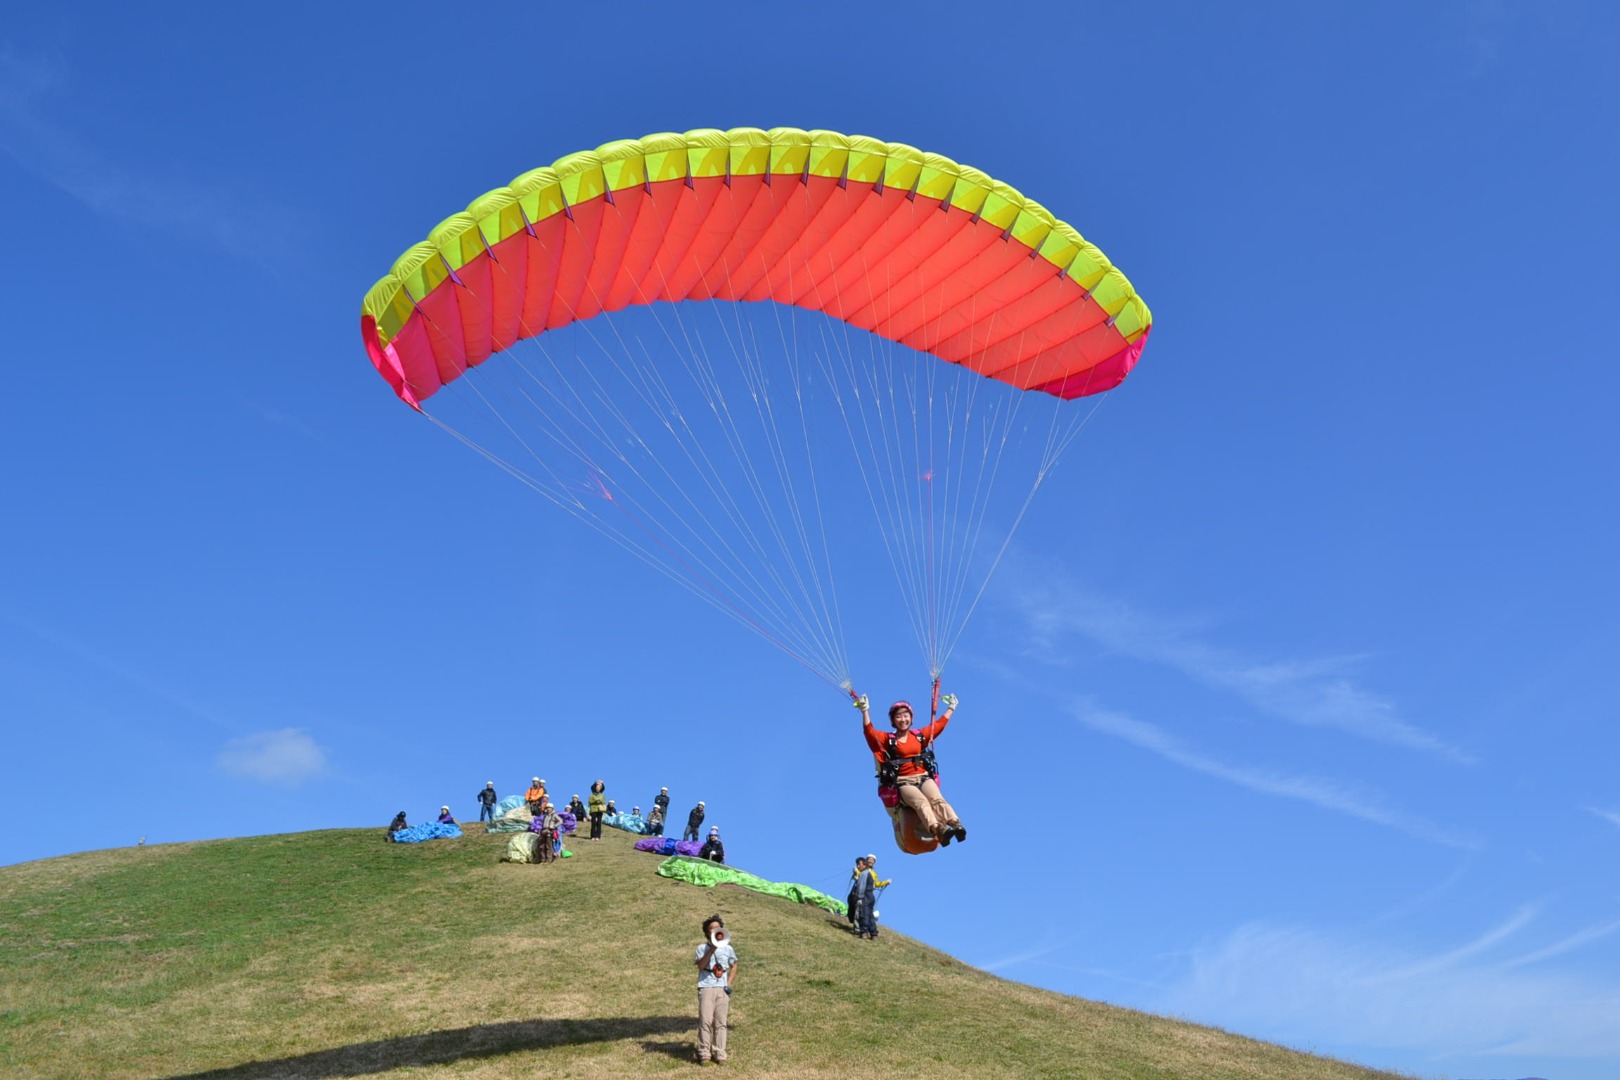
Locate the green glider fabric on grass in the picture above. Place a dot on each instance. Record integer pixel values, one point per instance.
(708, 874)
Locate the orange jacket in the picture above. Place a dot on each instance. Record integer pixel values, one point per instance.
(908, 746)
(534, 794)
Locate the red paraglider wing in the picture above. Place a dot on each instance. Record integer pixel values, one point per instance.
(911, 246)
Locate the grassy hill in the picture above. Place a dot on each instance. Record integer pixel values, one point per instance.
(334, 954)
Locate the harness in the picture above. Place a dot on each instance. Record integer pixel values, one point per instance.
(888, 773)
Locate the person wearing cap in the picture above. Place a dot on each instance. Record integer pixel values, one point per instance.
(535, 795)
(486, 802)
(445, 817)
(598, 807)
(712, 848)
(397, 824)
(865, 893)
(717, 967)
(661, 800)
(905, 759)
(655, 821)
(550, 825)
(852, 905)
(694, 822)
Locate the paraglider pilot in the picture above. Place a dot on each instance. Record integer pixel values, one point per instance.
(694, 822)
(905, 758)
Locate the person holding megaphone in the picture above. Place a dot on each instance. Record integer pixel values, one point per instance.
(717, 966)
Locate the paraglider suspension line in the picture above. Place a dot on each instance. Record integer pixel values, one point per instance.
(725, 601)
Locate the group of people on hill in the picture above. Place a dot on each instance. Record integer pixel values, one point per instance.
(543, 810)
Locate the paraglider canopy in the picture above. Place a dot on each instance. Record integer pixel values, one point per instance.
(939, 303)
(831, 222)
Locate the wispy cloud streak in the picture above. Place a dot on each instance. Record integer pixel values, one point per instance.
(1567, 945)
(118, 670)
(1298, 985)
(1312, 693)
(1610, 816)
(59, 156)
(1318, 791)
(1025, 957)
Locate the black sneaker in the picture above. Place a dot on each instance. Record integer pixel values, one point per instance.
(961, 831)
(945, 838)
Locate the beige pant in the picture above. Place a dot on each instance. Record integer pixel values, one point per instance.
(926, 802)
(713, 1008)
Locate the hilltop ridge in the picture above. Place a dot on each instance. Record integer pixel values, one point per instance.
(333, 954)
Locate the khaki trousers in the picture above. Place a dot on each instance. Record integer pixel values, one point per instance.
(926, 802)
(714, 1006)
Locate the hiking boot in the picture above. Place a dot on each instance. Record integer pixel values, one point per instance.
(961, 831)
(945, 838)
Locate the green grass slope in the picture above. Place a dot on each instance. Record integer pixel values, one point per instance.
(334, 954)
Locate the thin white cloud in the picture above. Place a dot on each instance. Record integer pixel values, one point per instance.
(117, 669)
(288, 756)
(1318, 791)
(1025, 957)
(1485, 23)
(278, 418)
(1569, 944)
(1480, 945)
(1304, 987)
(1313, 693)
(56, 154)
(1610, 816)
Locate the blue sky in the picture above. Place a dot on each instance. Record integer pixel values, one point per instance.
(1288, 710)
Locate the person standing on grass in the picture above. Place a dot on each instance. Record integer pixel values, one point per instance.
(852, 906)
(694, 822)
(866, 887)
(550, 823)
(535, 795)
(716, 962)
(661, 800)
(486, 802)
(598, 807)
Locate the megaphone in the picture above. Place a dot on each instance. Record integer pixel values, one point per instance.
(718, 936)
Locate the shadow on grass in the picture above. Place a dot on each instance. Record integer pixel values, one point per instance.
(686, 1050)
(440, 1047)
